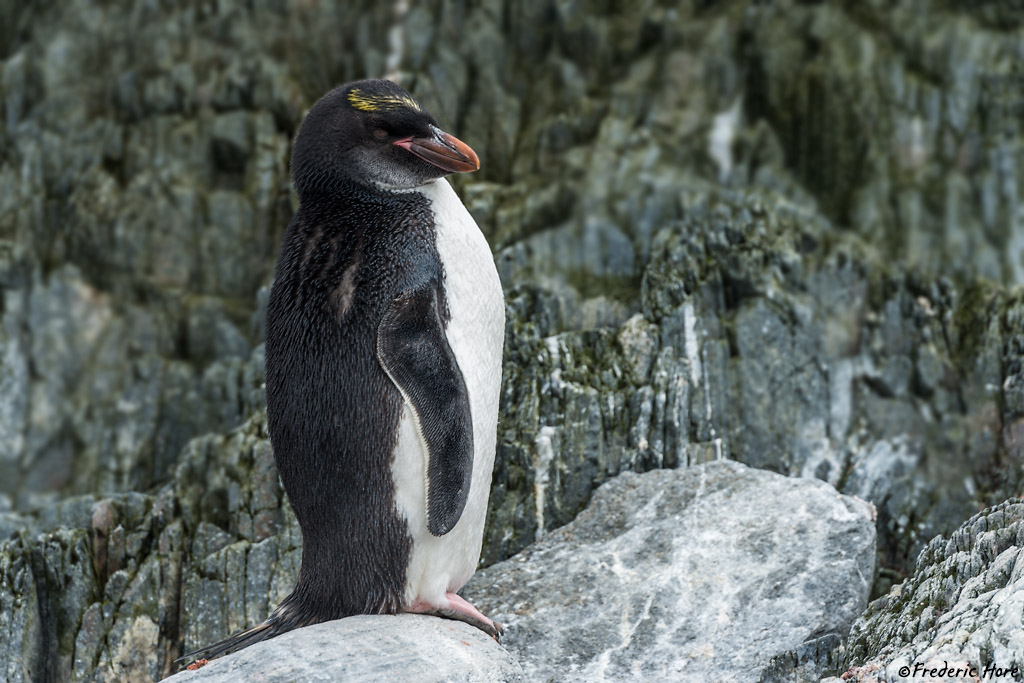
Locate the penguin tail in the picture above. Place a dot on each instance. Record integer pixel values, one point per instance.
(273, 626)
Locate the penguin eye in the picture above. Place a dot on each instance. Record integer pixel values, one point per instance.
(380, 133)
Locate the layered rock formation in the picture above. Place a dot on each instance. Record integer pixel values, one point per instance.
(961, 608)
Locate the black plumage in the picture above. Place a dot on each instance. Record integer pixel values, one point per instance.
(358, 295)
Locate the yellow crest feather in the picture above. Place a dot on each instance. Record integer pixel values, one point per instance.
(364, 102)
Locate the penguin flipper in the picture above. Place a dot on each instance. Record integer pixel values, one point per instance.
(414, 352)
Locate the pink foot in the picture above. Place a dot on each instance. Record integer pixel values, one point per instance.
(458, 608)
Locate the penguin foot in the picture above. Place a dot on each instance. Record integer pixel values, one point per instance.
(460, 609)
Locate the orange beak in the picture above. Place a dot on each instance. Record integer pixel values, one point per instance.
(445, 151)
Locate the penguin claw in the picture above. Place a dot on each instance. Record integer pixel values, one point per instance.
(460, 609)
(490, 627)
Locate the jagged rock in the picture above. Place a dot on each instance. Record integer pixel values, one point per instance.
(94, 587)
(104, 382)
(923, 166)
(146, 187)
(963, 607)
(87, 599)
(405, 647)
(697, 574)
(757, 345)
(245, 544)
(806, 663)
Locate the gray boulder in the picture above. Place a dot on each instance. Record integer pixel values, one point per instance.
(698, 574)
(406, 647)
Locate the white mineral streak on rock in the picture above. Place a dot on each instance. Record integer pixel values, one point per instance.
(721, 136)
(697, 574)
(396, 40)
(544, 455)
(691, 345)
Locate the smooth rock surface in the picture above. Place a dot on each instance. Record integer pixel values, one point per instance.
(698, 574)
(388, 649)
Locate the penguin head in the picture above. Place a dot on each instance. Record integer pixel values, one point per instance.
(374, 133)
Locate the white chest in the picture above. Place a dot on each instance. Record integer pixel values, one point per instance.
(475, 332)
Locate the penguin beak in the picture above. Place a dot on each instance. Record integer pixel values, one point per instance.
(445, 151)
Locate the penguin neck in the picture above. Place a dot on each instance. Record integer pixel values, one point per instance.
(357, 209)
(396, 189)
(338, 191)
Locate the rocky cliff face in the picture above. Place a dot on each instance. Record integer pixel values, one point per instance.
(961, 608)
(784, 233)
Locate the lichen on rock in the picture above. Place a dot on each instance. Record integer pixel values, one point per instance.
(962, 605)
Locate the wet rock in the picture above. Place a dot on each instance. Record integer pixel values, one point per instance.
(703, 573)
(369, 648)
